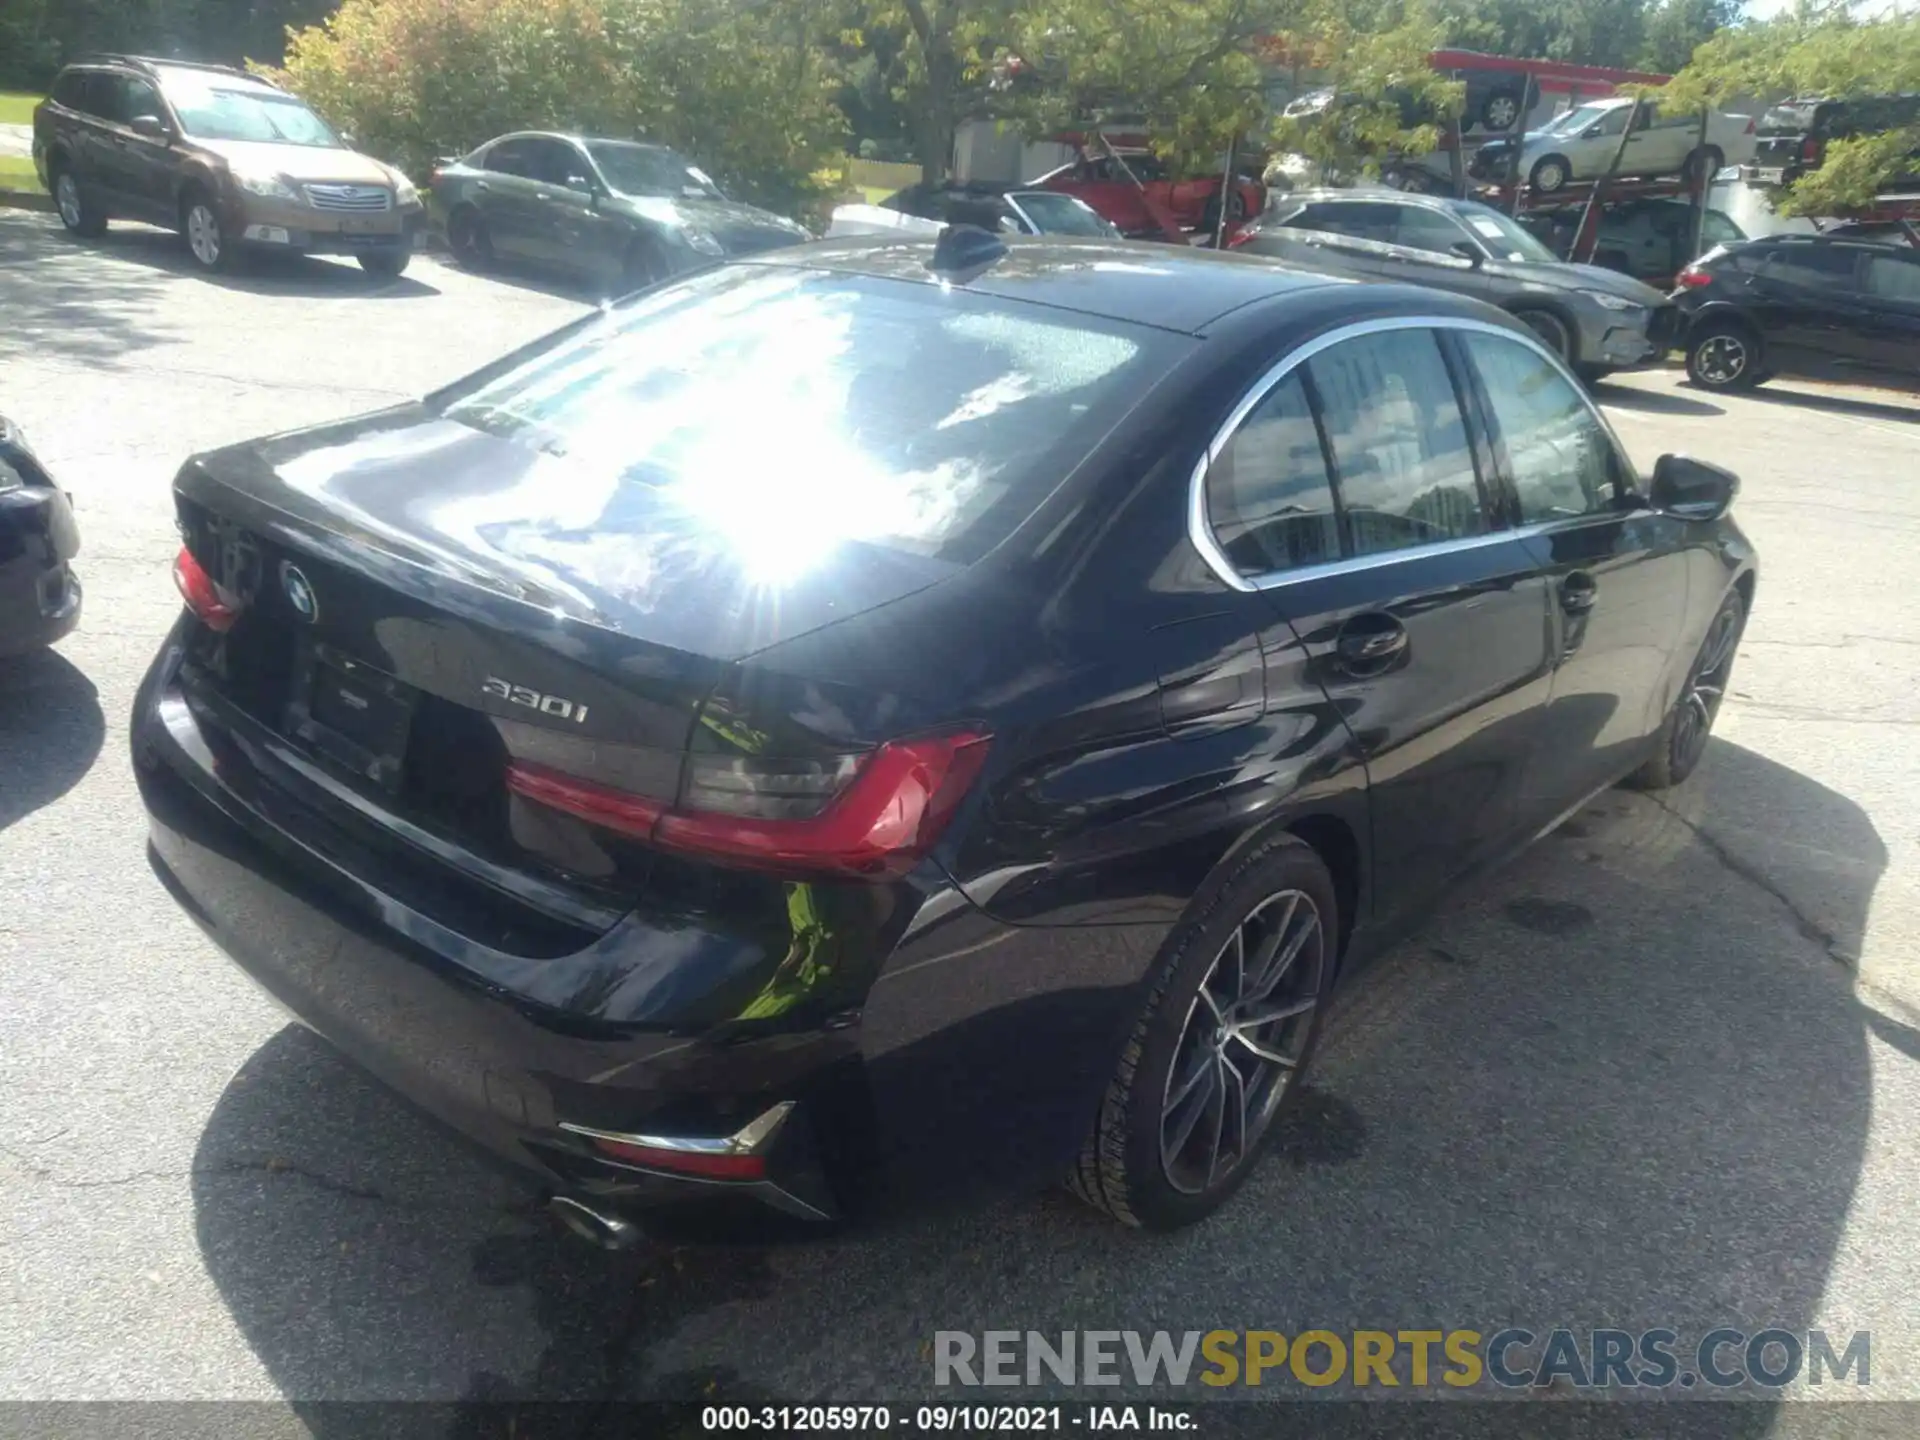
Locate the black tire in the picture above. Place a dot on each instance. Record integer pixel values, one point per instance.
(1705, 155)
(468, 240)
(1683, 735)
(208, 245)
(1725, 355)
(1499, 110)
(1277, 893)
(386, 264)
(80, 215)
(1550, 174)
(1591, 375)
(1551, 330)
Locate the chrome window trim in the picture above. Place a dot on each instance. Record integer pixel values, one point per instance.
(1200, 525)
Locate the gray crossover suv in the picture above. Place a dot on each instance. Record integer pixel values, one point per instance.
(1595, 319)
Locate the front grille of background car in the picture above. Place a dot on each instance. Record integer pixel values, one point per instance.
(357, 198)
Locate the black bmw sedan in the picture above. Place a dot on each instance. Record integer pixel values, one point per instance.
(39, 593)
(941, 712)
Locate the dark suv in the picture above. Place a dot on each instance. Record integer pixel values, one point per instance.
(225, 158)
(1793, 137)
(1806, 305)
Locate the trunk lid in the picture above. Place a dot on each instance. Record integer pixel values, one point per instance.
(421, 604)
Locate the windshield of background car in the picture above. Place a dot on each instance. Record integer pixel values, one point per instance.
(786, 411)
(209, 110)
(1503, 236)
(651, 170)
(1060, 214)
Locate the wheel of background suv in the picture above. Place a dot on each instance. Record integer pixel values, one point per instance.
(1551, 330)
(1683, 736)
(386, 264)
(467, 238)
(207, 243)
(1705, 157)
(1550, 173)
(1238, 992)
(77, 213)
(1499, 110)
(1724, 355)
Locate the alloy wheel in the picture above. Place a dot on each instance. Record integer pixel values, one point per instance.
(1245, 1034)
(1500, 112)
(203, 235)
(66, 195)
(1722, 359)
(1706, 688)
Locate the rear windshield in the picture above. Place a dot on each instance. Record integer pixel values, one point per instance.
(786, 411)
(1792, 119)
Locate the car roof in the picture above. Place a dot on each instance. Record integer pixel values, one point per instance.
(1158, 285)
(575, 137)
(1452, 204)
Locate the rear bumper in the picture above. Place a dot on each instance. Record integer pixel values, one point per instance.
(40, 595)
(987, 1069)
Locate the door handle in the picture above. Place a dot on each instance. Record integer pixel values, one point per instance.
(541, 195)
(1578, 592)
(1369, 644)
(481, 185)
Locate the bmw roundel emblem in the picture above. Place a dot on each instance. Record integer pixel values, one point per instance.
(299, 591)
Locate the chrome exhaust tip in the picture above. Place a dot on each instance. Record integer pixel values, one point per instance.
(596, 1227)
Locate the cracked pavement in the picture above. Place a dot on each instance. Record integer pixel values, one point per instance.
(1664, 1069)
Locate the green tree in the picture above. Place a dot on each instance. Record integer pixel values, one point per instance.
(1817, 52)
(1676, 28)
(749, 93)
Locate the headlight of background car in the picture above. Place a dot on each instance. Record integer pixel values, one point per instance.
(1611, 302)
(704, 242)
(269, 186)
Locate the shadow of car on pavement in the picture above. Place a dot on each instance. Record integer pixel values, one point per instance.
(51, 731)
(1619, 1084)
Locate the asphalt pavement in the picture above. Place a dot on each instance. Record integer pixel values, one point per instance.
(1663, 1070)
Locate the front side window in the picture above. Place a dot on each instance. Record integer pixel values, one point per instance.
(1562, 462)
(774, 413)
(1891, 278)
(1402, 462)
(1269, 497)
(211, 108)
(1054, 214)
(1424, 229)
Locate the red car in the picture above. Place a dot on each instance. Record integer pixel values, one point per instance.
(1158, 202)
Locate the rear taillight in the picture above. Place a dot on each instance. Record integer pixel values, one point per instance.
(868, 815)
(713, 1164)
(216, 609)
(1692, 278)
(1810, 151)
(1242, 236)
(1750, 125)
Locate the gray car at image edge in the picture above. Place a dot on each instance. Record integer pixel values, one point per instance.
(1596, 319)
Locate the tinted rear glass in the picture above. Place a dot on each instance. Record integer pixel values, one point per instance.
(787, 411)
(1791, 119)
(1061, 214)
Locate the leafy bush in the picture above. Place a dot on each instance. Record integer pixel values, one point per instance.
(747, 96)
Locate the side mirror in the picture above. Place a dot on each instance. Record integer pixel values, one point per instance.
(1591, 132)
(1469, 252)
(1690, 489)
(583, 184)
(151, 126)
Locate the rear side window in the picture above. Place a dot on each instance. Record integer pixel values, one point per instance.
(509, 157)
(1268, 493)
(1402, 462)
(772, 414)
(1561, 460)
(1892, 278)
(1823, 266)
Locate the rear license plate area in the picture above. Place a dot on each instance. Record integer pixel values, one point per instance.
(352, 714)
